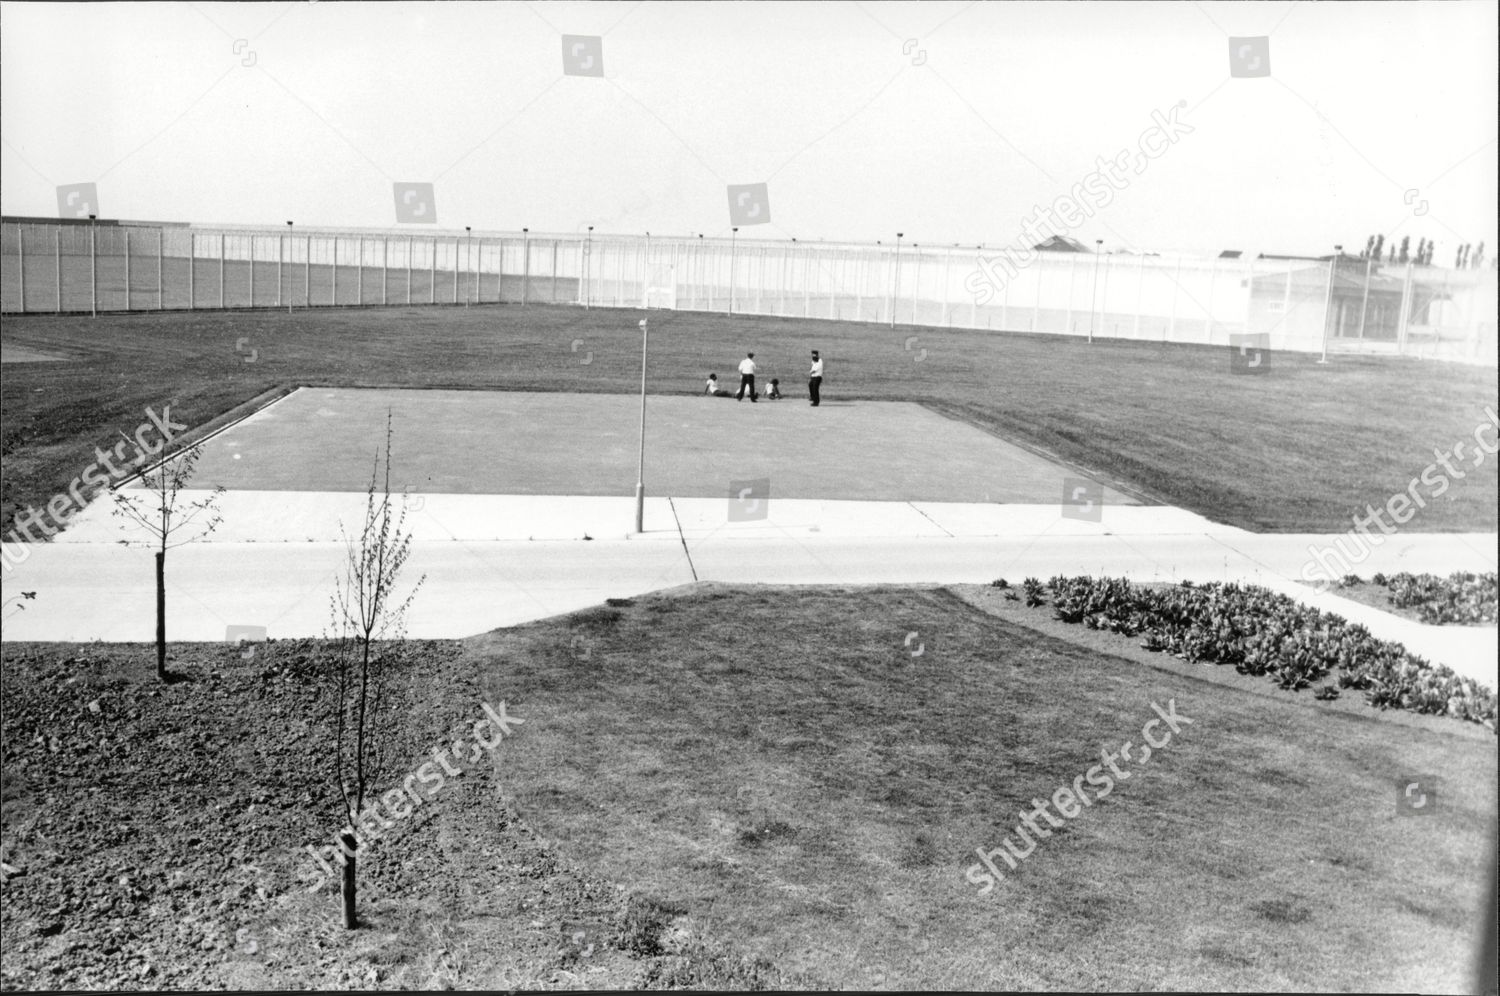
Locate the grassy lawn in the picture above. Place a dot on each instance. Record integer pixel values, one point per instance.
(777, 764)
(1301, 449)
(723, 786)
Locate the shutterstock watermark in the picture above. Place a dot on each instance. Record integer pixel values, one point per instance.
(1069, 211)
(400, 801)
(1399, 505)
(1067, 799)
(97, 476)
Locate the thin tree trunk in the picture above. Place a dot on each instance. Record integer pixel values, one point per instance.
(350, 920)
(161, 614)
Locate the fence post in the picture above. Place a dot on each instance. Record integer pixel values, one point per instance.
(1140, 289)
(1364, 303)
(252, 271)
(553, 295)
(307, 275)
(1404, 316)
(432, 277)
(161, 263)
(57, 263)
(21, 257)
(385, 268)
(192, 270)
(1072, 279)
(359, 272)
(93, 272)
(408, 269)
(335, 299)
(1213, 281)
(280, 265)
(127, 269)
(221, 269)
(455, 270)
(1036, 306)
(1176, 292)
(525, 263)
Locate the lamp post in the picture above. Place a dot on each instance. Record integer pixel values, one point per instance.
(896, 289)
(1333, 266)
(93, 272)
(640, 469)
(588, 253)
(281, 266)
(1094, 294)
(733, 235)
(468, 251)
(525, 263)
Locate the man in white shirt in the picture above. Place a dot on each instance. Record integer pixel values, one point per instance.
(747, 377)
(815, 378)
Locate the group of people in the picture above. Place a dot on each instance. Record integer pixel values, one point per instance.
(773, 392)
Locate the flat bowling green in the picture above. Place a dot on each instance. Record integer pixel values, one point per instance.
(525, 443)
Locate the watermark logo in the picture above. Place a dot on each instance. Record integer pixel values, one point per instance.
(1082, 499)
(246, 635)
(1250, 56)
(589, 358)
(239, 347)
(580, 648)
(1412, 195)
(1250, 354)
(415, 204)
(749, 500)
(1330, 563)
(242, 45)
(583, 55)
(77, 200)
(910, 45)
(749, 204)
(1416, 795)
(911, 341)
(913, 637)
(1071, 800)
(447, 762)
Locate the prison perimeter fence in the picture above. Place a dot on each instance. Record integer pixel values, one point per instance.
(1300, 304)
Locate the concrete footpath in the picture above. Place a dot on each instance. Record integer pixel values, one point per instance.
(495, 561)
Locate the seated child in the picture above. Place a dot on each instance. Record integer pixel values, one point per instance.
(773, 393)
(712, 389)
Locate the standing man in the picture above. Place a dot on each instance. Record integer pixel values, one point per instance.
(815, 378)
(747, 377)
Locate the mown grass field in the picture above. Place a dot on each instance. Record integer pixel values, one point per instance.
(732, 786)
(1299, 450)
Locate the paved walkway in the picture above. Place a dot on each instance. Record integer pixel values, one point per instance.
(496, 561)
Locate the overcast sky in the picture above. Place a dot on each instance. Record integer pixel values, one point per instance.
(950, 122)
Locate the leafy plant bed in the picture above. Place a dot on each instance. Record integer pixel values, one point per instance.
(1261, 632)
(1463, 598)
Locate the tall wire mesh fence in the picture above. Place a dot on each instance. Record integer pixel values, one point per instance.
(1299, 304)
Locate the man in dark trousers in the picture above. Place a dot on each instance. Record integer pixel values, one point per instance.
(815, 378)
(747, 377)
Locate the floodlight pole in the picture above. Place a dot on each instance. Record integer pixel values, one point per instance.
(1094, 294)
(640, 469)
(896, 290)
(93, 273)
(1333, 266)
(734, 234)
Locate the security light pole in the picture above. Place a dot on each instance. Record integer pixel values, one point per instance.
(734, 234)
(93, 273)
(1094, 294)
(1333, 266)
(896, 290)
(640, 468)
